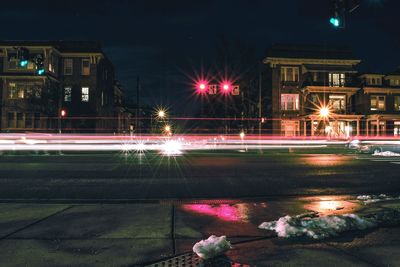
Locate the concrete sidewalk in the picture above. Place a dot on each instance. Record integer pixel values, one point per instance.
(142, 234)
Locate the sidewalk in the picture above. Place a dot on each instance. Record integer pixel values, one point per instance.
(140, 234)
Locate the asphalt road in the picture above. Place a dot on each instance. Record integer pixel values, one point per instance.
(205, 174)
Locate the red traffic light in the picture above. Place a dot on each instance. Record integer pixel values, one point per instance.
(226, 87)
(202, 87)
(63, 113)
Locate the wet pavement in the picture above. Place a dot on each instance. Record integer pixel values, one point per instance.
(139, 234)
(194, 175)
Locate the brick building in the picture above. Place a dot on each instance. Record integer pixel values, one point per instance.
(303, 81)
(78, 78)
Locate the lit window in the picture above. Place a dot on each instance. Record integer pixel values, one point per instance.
(378, 102)
(67, 94)
(397, 103)
(53, 63)
(85, 67)
(68, 68)
(395, 82)
(337, 102)
(374, 81)
(21, 93)
(336, 79)
(85, 94)
(12, 91)
(290, 74)
(289, 102)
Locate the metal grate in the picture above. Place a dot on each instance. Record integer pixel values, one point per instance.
(192, 260)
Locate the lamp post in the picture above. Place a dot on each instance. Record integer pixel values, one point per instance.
(61, 115)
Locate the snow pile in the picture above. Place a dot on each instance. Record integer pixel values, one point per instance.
(211, 247)
(386, 154)
(317, 227)
(376, 198)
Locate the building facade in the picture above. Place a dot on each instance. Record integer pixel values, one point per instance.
(317, 91)
(77, 79)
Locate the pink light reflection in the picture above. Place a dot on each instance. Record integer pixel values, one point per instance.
(223, 212)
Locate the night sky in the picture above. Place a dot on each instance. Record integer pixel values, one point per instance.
(166, 42)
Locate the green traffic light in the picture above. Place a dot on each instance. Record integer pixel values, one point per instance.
(40, 71)
(335, 22)
(23, 63)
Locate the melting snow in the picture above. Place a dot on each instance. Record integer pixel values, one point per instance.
(211, 247)
(376, 198)
(317, 227)
(311, 225)
(386, 154)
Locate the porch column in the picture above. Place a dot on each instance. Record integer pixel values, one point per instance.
(305, 127)
(358, 127)
(312, 127)
(367, 127)
(377, 127)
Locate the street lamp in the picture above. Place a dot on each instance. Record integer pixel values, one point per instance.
(62, 114)
(324, 112)
(161, 114)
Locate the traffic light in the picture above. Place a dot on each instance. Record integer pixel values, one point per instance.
(338, 13)
(341, 8)
(202, 87)
(23, 56)
(335, 21)
(39, 65)
(226, 87)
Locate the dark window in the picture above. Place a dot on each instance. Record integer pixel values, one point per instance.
(11, 120)
(20, 120)
(68, 69)
(28, 120)
(37, 120)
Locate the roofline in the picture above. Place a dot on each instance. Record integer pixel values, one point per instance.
(302, 60)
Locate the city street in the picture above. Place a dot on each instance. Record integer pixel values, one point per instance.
(119, 176)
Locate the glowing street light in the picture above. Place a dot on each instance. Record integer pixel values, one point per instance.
(242, 135)
(167, 128)
(161, 113)
(324, 112)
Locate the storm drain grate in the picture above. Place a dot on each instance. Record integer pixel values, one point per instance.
(192, 260)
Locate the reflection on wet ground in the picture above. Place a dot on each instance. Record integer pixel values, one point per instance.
(331, 205)
(229, 211)
(225, 212)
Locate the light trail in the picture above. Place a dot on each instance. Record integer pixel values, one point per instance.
(164, 144)
(168, 145)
